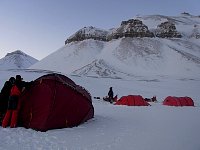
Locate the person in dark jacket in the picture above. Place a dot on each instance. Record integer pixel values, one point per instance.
(4, 95)
(110, 95)
(13, 103)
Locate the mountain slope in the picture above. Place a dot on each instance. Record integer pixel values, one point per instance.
(17, 60)
(147, 56)
(72, 56)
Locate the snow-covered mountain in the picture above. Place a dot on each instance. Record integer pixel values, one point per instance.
(17, 60)
(154, 44)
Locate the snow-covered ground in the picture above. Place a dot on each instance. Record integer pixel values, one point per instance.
(155, 127)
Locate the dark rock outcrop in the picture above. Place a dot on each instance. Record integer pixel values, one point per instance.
(131, 28)
(167, 30)
(88, 33)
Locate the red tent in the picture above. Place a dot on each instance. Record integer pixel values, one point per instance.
(54, 101)
(132, 100)
(178, 101)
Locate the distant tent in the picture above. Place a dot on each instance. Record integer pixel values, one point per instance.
(54, 101)
(132, 100)
(178, 101)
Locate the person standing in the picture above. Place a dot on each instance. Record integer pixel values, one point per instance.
(5, 93)
(13, 103)
(4, 97)
(110, 95)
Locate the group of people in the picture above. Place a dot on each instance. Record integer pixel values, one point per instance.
(9, 100)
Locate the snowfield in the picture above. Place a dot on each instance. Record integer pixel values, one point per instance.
(155, 127)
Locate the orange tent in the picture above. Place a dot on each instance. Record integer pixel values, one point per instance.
(178, 101)
(132, 100)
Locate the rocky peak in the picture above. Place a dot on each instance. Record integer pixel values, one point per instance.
(167, 30)
(17, 60)
(195, 32)
(186, 14)
(17, 52)
(131, 28)
(88, 33)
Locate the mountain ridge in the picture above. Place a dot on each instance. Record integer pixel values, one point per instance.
(163, 27)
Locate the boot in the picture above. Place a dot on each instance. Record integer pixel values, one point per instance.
(6, 119)
(14, 118)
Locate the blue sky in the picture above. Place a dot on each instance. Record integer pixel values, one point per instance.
(40, 27)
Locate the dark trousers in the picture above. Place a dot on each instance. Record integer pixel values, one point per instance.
(13, 102)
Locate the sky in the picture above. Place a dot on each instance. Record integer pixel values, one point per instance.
(40, 27)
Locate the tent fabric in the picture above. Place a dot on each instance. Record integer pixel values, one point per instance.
(178, 101)
(54, 101)
(132, 100)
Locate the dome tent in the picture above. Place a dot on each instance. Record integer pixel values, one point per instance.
(54, 101)
(178, 101)
(132, 100)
